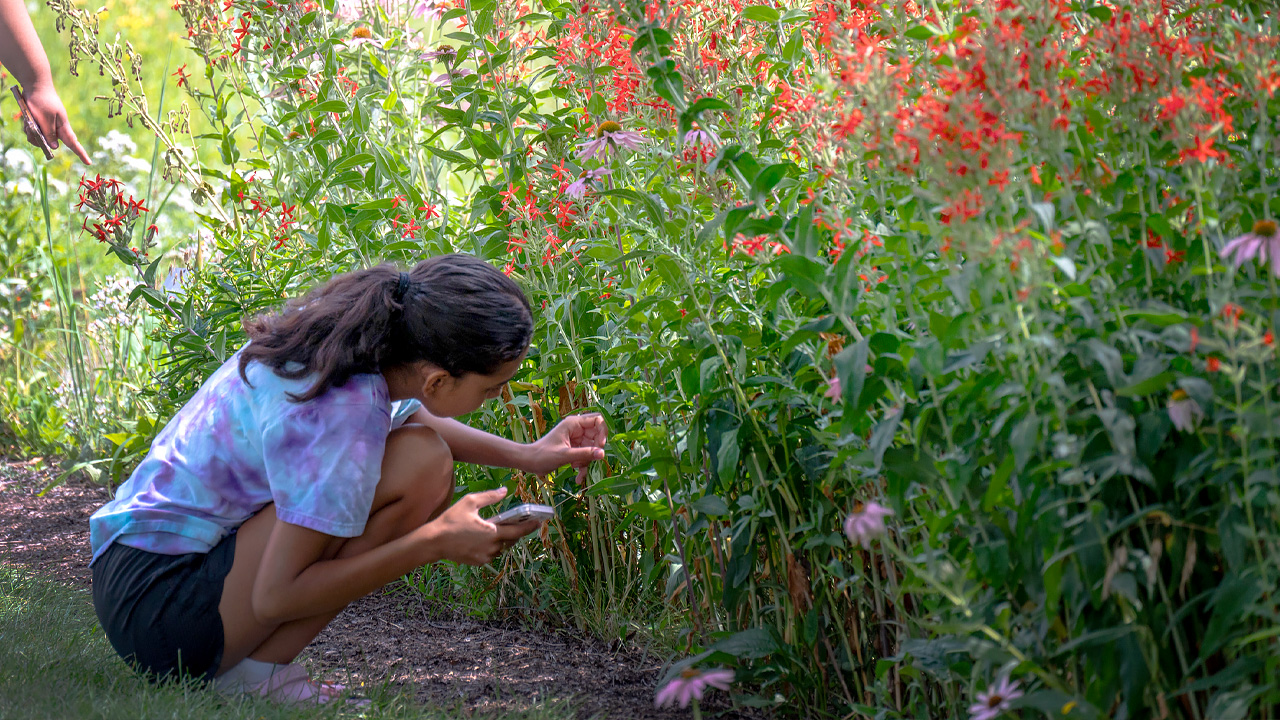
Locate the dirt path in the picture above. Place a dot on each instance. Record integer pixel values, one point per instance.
(392, 637)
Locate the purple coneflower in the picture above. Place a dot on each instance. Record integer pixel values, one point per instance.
(578, 187)
(1258, 243)
(698, 137)
(1183, 411)
(609, 134)
(833, 389)
(865, 522)
(444, 52)
(995, 701)
(362, 36)
(427, 9)
(446, 79)
(690, 684)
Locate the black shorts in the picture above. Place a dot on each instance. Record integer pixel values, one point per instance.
(160, 612)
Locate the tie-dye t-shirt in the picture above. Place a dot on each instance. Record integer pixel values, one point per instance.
(235, 447)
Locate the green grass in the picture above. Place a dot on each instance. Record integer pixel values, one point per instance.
(55, 663)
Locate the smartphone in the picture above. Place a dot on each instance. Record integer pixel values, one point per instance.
(521, 513)
(30, 122)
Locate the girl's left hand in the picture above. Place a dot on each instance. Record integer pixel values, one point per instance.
(576, 441)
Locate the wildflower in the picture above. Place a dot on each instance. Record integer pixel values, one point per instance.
(578, 188)
(427, 9)
(1258, 243)
(361, 33)
(609, 134)
(690, 685)
(698, 137)
(1213, 364)
(995, 701)
(1183, 411)
(447, 53)
(833, 389)
(446, 79)
(865, 522)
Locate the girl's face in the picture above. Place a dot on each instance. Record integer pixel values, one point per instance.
(444, 395)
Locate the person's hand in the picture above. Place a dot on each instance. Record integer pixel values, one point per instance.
(576, 441)
(46, 107)
(461, 535)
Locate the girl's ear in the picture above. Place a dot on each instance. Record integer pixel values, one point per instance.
(434, 380)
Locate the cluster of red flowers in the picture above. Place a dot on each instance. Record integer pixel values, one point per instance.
(943, 106)
(115, 213)
(279, 220)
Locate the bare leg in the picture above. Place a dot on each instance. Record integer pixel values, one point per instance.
(416, 486)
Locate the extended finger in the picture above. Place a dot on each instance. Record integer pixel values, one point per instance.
(485, 498)
(66, 133)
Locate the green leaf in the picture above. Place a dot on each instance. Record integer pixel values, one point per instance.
(450, 155)
(646, 201)
(483, 144)
(329, 106)
(761, 13)
(767, 180)
(999, 483)
(1153, 384)
(711, 504)
(748, 644)
(347, 162)
(851, 368)
(920, 32)
(727, 457)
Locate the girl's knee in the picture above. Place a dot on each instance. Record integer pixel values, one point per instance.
(418, 467)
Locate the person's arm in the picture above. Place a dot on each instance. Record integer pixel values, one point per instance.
(294, 582)
(576, 441)
(23, 56)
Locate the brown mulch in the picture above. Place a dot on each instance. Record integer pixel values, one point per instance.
(390, 638)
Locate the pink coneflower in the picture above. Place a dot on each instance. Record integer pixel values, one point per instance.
(866, 522)
(995, 701)
(446, 53)
(446, 79)
(427, 9)
(609, 134)
(1183, 411)
(362, 36)
(697, 137)
(578, 188)
(690, 685)
(1258, 243)
(833, 389)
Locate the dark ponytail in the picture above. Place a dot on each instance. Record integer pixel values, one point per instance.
(455, 311)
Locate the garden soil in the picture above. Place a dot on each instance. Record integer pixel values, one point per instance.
(391, 637)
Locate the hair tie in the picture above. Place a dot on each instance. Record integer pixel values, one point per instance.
(402, 287)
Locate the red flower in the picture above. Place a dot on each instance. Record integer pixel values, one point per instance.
(1213, 365)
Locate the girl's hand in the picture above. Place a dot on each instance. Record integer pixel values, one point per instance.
(48, 112)
(576, 441)
(461, 535)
